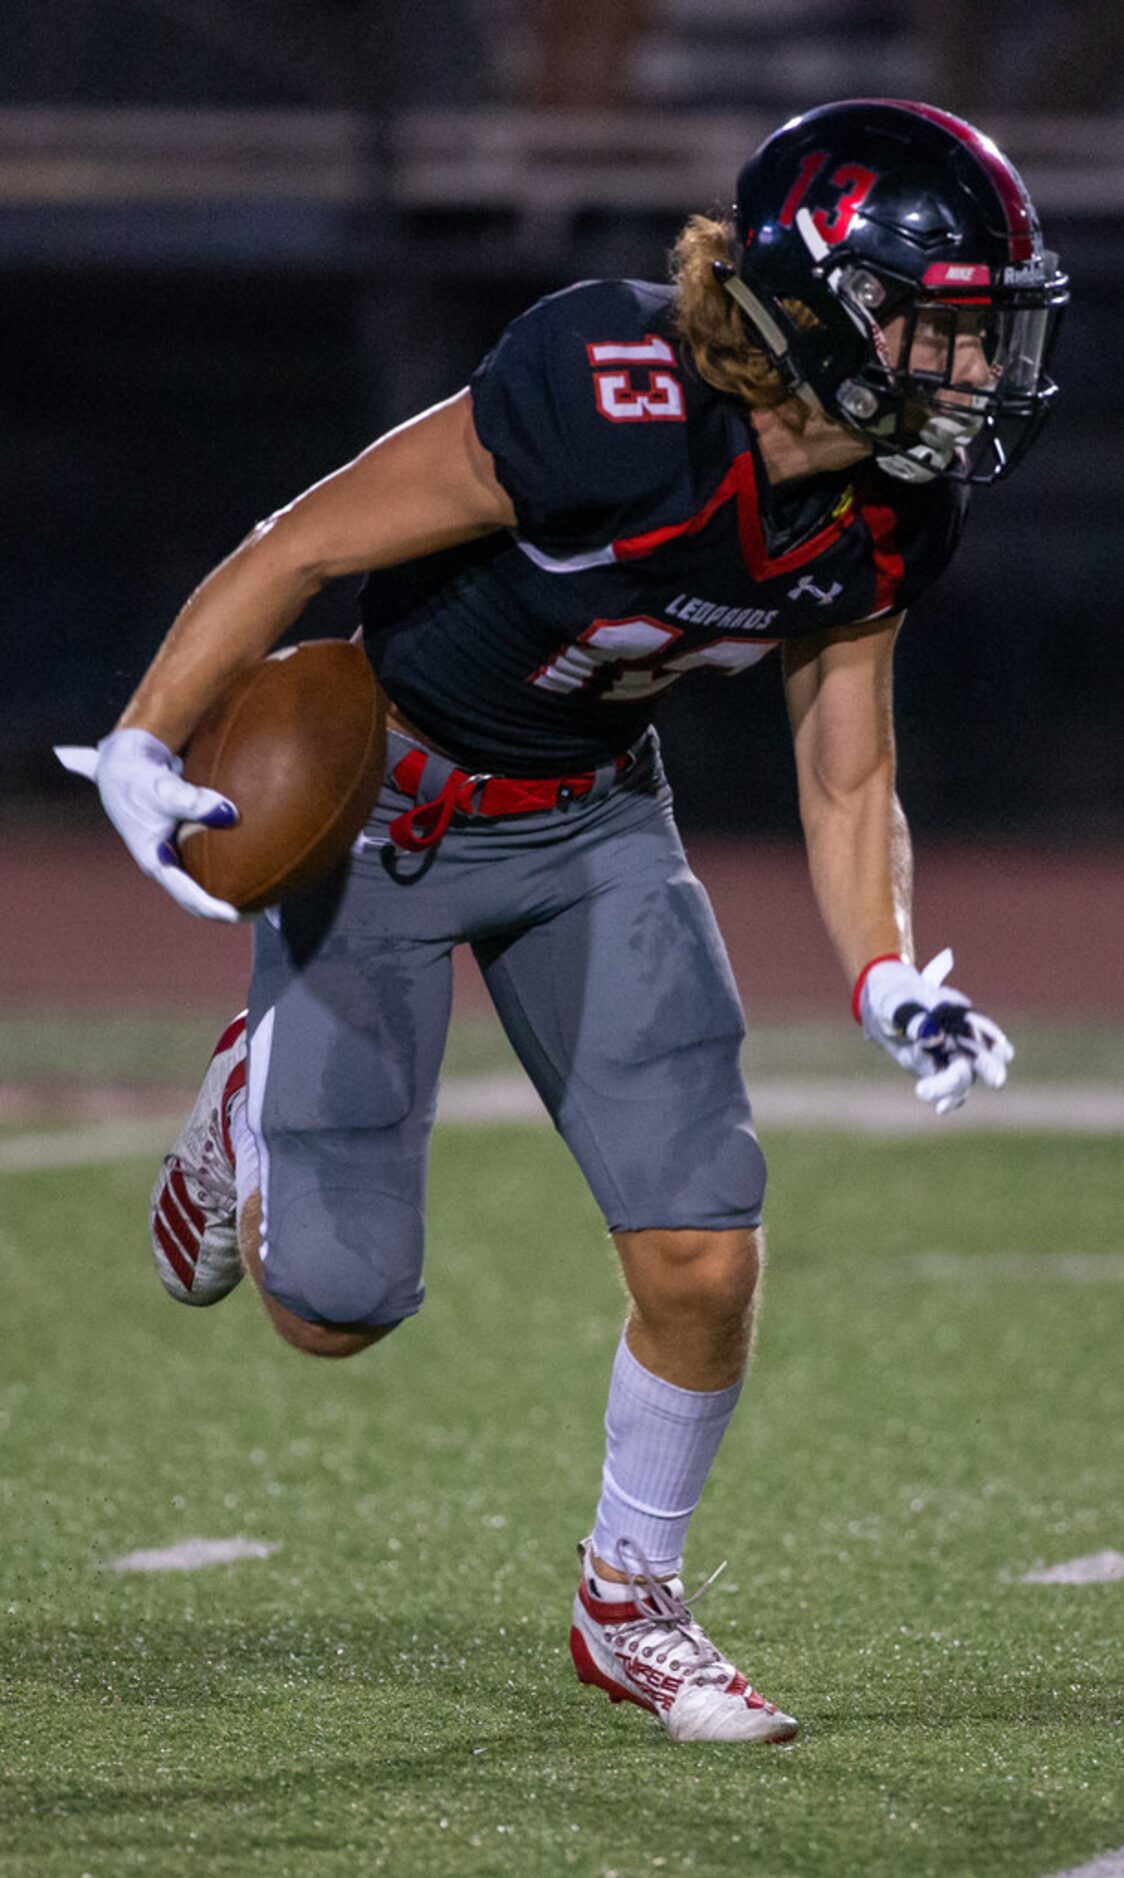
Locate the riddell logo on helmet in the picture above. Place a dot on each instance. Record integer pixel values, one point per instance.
(1032, 275)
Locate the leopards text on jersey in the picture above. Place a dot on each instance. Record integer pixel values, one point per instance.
(649, 543)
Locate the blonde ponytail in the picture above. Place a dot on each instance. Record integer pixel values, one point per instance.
(711, 324)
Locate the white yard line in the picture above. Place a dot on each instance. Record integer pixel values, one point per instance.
(1108, 1865)
(190, 1555)
(864, 1108)
(1056, 1108)
(86, 1146)
(1052, 1267)
(893, 1109)
(1094, 1568)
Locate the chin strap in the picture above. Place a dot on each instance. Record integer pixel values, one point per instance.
(934, 450)
(906, 468)
(767, 330)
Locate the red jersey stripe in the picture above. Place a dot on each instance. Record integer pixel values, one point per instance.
(635, 547)
(739, 484)
(753, 536)
(889, 568)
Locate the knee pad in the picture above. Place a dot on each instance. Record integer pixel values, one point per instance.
(345, 1255)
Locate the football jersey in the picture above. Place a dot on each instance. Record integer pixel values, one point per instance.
(649, 542)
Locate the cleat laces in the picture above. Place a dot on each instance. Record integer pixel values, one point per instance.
(668, 1634)
(213, 1176)
(213, 1184)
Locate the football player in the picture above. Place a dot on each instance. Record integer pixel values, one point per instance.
(771, 454)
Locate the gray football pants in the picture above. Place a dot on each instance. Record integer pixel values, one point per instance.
(602, 957)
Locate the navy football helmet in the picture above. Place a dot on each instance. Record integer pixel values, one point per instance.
(913, 245)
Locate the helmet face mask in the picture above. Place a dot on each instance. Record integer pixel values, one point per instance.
(930, 307)
(966, 385)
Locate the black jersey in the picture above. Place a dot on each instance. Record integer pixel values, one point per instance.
(649, 542)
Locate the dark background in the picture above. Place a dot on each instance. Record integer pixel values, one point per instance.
(187, 343)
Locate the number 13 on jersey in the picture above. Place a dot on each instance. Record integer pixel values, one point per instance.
(644, 391)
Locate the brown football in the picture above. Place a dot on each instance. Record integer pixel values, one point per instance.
(298, 743)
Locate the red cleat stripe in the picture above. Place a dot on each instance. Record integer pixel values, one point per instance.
(230, 1035)
(189, 1239)
(184, 1272)
(178, 1186)
(607, 1611)
(589, 1673)
(739, 1686)
(234, 1082)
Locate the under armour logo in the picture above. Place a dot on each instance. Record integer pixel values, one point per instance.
(823, 596)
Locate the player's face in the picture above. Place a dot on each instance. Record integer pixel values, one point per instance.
(949, 349)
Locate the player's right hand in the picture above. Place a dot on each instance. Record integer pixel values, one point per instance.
(932, 1030)
(146, 798)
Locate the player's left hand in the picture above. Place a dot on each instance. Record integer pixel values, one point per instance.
(932, 1030)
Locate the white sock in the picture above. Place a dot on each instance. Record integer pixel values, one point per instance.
(247, 1169)
(660, 1443)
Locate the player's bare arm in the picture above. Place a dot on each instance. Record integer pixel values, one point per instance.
(426, 486)
(839, 689)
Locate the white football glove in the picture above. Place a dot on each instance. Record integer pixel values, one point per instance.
(932, 1031)
(145, 798)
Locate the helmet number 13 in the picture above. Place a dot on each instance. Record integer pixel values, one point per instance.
(854, 182)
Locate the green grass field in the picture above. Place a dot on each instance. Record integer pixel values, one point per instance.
(163, 1047)
(935, 1408)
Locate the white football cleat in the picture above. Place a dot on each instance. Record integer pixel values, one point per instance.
(639, 1642)
(193, 1211)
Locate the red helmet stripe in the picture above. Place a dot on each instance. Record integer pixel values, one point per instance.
(1003, 178)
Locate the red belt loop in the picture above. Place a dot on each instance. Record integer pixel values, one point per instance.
(426, 823)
